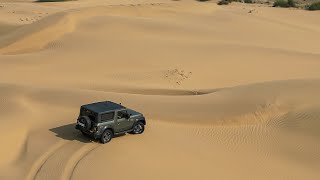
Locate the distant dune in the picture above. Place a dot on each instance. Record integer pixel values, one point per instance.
(227, 94)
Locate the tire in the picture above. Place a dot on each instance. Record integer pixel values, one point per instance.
(86, 121)
(138, 128)
(106, 136)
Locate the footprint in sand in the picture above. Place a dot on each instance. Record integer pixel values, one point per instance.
(177, 76)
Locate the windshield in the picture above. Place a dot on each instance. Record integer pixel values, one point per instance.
(90, 114)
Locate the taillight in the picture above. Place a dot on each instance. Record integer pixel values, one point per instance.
(94, 128)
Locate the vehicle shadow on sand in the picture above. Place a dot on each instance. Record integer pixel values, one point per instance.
(68, 132)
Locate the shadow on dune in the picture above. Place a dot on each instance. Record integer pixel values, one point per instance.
(53, 0)
(68, 132)
(148, 91)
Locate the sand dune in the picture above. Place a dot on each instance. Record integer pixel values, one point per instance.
(227, 94)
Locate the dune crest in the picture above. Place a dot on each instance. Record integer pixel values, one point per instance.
(38, 35)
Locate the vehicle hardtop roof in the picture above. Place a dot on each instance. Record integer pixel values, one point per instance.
(99, 107)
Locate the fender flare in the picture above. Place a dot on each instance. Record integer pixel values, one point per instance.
(107, 127)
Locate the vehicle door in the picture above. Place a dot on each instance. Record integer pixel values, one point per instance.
(123, 121)
(107, 119)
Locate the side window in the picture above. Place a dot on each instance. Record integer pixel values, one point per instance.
(107, 117)
(121, 114)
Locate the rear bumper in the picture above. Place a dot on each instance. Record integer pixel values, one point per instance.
(91, 134)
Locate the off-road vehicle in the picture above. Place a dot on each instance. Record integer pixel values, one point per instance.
(103, 120)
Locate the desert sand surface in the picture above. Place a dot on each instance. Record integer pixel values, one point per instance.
(227, 94)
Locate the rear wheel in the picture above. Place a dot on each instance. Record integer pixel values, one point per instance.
(138, 128)
(106, 136)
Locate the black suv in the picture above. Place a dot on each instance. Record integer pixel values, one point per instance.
(105, 119)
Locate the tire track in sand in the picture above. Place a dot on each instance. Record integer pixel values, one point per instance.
(61, 160)
(76, 158)
(36, 167)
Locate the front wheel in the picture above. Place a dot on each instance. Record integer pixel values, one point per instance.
(138, 128)
(106, 136)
